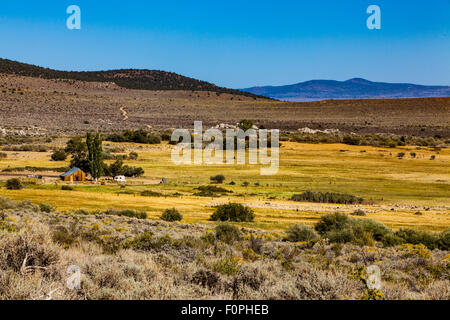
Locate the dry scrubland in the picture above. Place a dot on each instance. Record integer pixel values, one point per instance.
(160, 260)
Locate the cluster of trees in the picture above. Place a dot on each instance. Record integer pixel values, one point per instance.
(137, 136)
(376, 140)
(88, 156)
(327, 197)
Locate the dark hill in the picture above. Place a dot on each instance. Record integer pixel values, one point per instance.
(126, 78)
(351, 89)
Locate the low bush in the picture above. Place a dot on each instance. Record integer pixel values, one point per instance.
(45, 207)
(6, 203)
(301, 232)
(228, 233)
(171, 215)
(127, 213)
(338, 227)
(358, 212)
(392, 240)
(14, 184)
(150, 193)
(332, 221)
(444, 240)
(133, 156)
(210, 191)
(412, 236)
(220, 178)
(327, 197)
(63, 237)
(143, 242)
(30, 251)
(233, 212)
(67, 188)
(227, 266)
(59, 155)
(352, 140)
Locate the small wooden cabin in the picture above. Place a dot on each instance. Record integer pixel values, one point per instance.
(74, 174)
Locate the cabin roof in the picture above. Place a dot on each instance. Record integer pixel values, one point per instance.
(70, 172)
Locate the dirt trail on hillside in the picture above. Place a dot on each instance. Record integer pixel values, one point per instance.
(124, 113)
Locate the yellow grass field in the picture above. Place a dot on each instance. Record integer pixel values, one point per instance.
(395, 188)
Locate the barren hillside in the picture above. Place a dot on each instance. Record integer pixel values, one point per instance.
(72, 106)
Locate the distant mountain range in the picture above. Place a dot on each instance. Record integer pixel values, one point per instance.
(126, 78)
(356, 88)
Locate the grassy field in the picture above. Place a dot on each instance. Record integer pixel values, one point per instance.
(395, 188)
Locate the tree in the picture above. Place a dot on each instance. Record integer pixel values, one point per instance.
(233, 212)
(116, 168)
(171, 215)
(59, 155)
(220, 178)
(132, 171)
(14, 184)
(77, 148)
(245, 124)
(95, 155)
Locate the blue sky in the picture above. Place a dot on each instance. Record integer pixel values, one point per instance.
(236, 43)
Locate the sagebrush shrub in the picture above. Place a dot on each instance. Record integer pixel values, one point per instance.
(150, 193)
(171, 215)
(228, 233)
(358, 212)
(332, 221)
(412, 236)
(301, 232)
(338, 227)
(45, 207)
(444, 240)
(29, 251)
(14, 184)
(391, 240)
(233, 212)
(127, 213)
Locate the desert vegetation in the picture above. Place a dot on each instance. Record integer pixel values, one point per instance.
(171, 260)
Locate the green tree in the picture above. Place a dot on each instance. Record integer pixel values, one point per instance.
(116, 168)
(59, 155)
(77, 148)
(95, 155)
(245, 124)
(220, 178)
